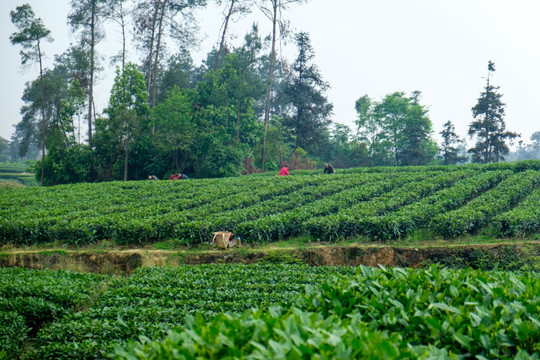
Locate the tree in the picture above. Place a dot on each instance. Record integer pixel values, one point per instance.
(88, 16)
(65, 163)
(62, 101)
(272, 9)
(309, 110)
(401, 131)
(118, 13)
(344, 150)
(366, 127)
(176, 130)
(152, 19)
(4, 150)
(489, 126)
(240, 7)
(177, 73)
(390, 115)
(449, 148)
(226, 119)
(535, 145)
(127, 111)
(527, 151)
(31, 32)
(415, 145)
(243, 86)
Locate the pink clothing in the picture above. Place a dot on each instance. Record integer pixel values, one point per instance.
(283, 171)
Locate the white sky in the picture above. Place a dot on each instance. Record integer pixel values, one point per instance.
(373, 48)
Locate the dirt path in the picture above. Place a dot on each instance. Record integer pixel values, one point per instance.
(512, 255)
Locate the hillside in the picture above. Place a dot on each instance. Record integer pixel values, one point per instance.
(499, 200)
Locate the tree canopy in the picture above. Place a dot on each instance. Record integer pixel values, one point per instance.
(244, 109)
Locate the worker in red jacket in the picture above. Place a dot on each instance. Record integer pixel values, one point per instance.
(284, 171)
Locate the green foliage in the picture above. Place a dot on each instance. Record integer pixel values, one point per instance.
(64, 163)
(154, 300)
(522, 220)
(307, 108)
(379, 313)
(274, 311)
(176, 132)
(31, 33)
(272, 334)
(489, 126)
(475, 214)
(396, 130)
(4, 150)
(30, 299)
(127, 126)
(17, 174)
(13, 334)
(493, 315)
(379, 203)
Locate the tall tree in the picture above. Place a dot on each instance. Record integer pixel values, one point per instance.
(403, 132)
(489, 126)
(178, 72)
(31, 33)
(415, 146)
(176, 131)
(365, 125)
(309, 109)
(535, 145)
(449, 147)
(527, 151)
(234, 7)
(272, 9)
(118, 13)
(128, 110)
(154, 20)
(87, 16)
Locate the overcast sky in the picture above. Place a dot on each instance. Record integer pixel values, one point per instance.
(373, 48)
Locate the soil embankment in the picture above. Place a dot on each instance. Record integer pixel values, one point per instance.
(513, 256)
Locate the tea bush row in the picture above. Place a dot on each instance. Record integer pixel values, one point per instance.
(382, 203)
(433, 313)
(30, 299)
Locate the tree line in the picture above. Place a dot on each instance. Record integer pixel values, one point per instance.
(242, 110)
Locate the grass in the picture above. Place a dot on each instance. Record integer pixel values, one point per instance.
(10, 183)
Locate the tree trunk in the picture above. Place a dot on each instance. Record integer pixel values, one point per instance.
(238, 121)
(152, 37)
(156, 60)
(123, 24)
(225, 26)
(126, 158)
(92, 66)
(156, 64)
(43, 122)
(270, 77)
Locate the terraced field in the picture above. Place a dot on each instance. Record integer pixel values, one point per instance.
(375, 203)
(275, 311)
(16, 175)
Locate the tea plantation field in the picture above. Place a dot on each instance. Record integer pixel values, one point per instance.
(16, 175)
(270, 312)
(501, 200)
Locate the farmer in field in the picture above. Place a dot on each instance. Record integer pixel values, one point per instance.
(284, 171)
(225, 239)
(178, 177)
(328, 169)
(152, 177)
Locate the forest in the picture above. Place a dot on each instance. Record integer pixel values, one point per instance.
(245, 109)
